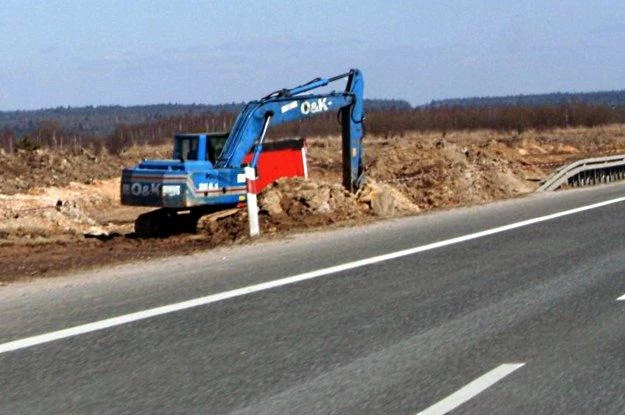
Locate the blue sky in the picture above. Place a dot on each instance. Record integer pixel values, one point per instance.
(60, 53)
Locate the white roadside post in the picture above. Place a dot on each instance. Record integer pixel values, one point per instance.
(252, 202)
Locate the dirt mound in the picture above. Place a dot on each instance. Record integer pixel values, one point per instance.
(385, 200)
(439, 173)
(303, 202)
(28, 169)
(297, 203)
(296, 200)
(56, 212)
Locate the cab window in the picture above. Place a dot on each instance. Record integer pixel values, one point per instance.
(214, 146)
(185, 148)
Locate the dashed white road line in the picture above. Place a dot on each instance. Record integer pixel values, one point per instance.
(196, 302)
(469, 391)
(621, 298)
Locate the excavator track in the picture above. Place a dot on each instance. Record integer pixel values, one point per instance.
(165, 222)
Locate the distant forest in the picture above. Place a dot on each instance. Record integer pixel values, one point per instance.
(119, 127)
(102, 120)
(607, 98)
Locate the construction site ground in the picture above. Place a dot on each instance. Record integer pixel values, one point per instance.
(60, 210)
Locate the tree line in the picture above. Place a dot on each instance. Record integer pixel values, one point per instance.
(614, 98)
(101, 121)
(388, 121)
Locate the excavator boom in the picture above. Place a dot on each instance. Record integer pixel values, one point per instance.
(290, 105)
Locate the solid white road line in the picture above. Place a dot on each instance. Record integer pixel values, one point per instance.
(471, 390)
(621, 298)
(153, 312)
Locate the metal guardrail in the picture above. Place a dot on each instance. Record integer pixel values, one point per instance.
(586, 172)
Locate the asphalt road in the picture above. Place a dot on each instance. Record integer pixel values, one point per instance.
(396, 336)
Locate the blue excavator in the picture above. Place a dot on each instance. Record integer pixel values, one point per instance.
(206, 173)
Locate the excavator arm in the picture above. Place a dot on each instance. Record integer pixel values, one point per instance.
(288, 105)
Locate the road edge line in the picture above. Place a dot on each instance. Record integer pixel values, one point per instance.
(213, 298)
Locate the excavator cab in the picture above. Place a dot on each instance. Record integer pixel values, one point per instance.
(186, 147)
(199, 147)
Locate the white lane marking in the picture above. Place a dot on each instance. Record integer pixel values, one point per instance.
(621, 298)
(196, 302)
(471, 390)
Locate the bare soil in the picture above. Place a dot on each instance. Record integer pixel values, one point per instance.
(60, 210)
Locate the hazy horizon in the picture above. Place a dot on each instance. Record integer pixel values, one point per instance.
(242, 102)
